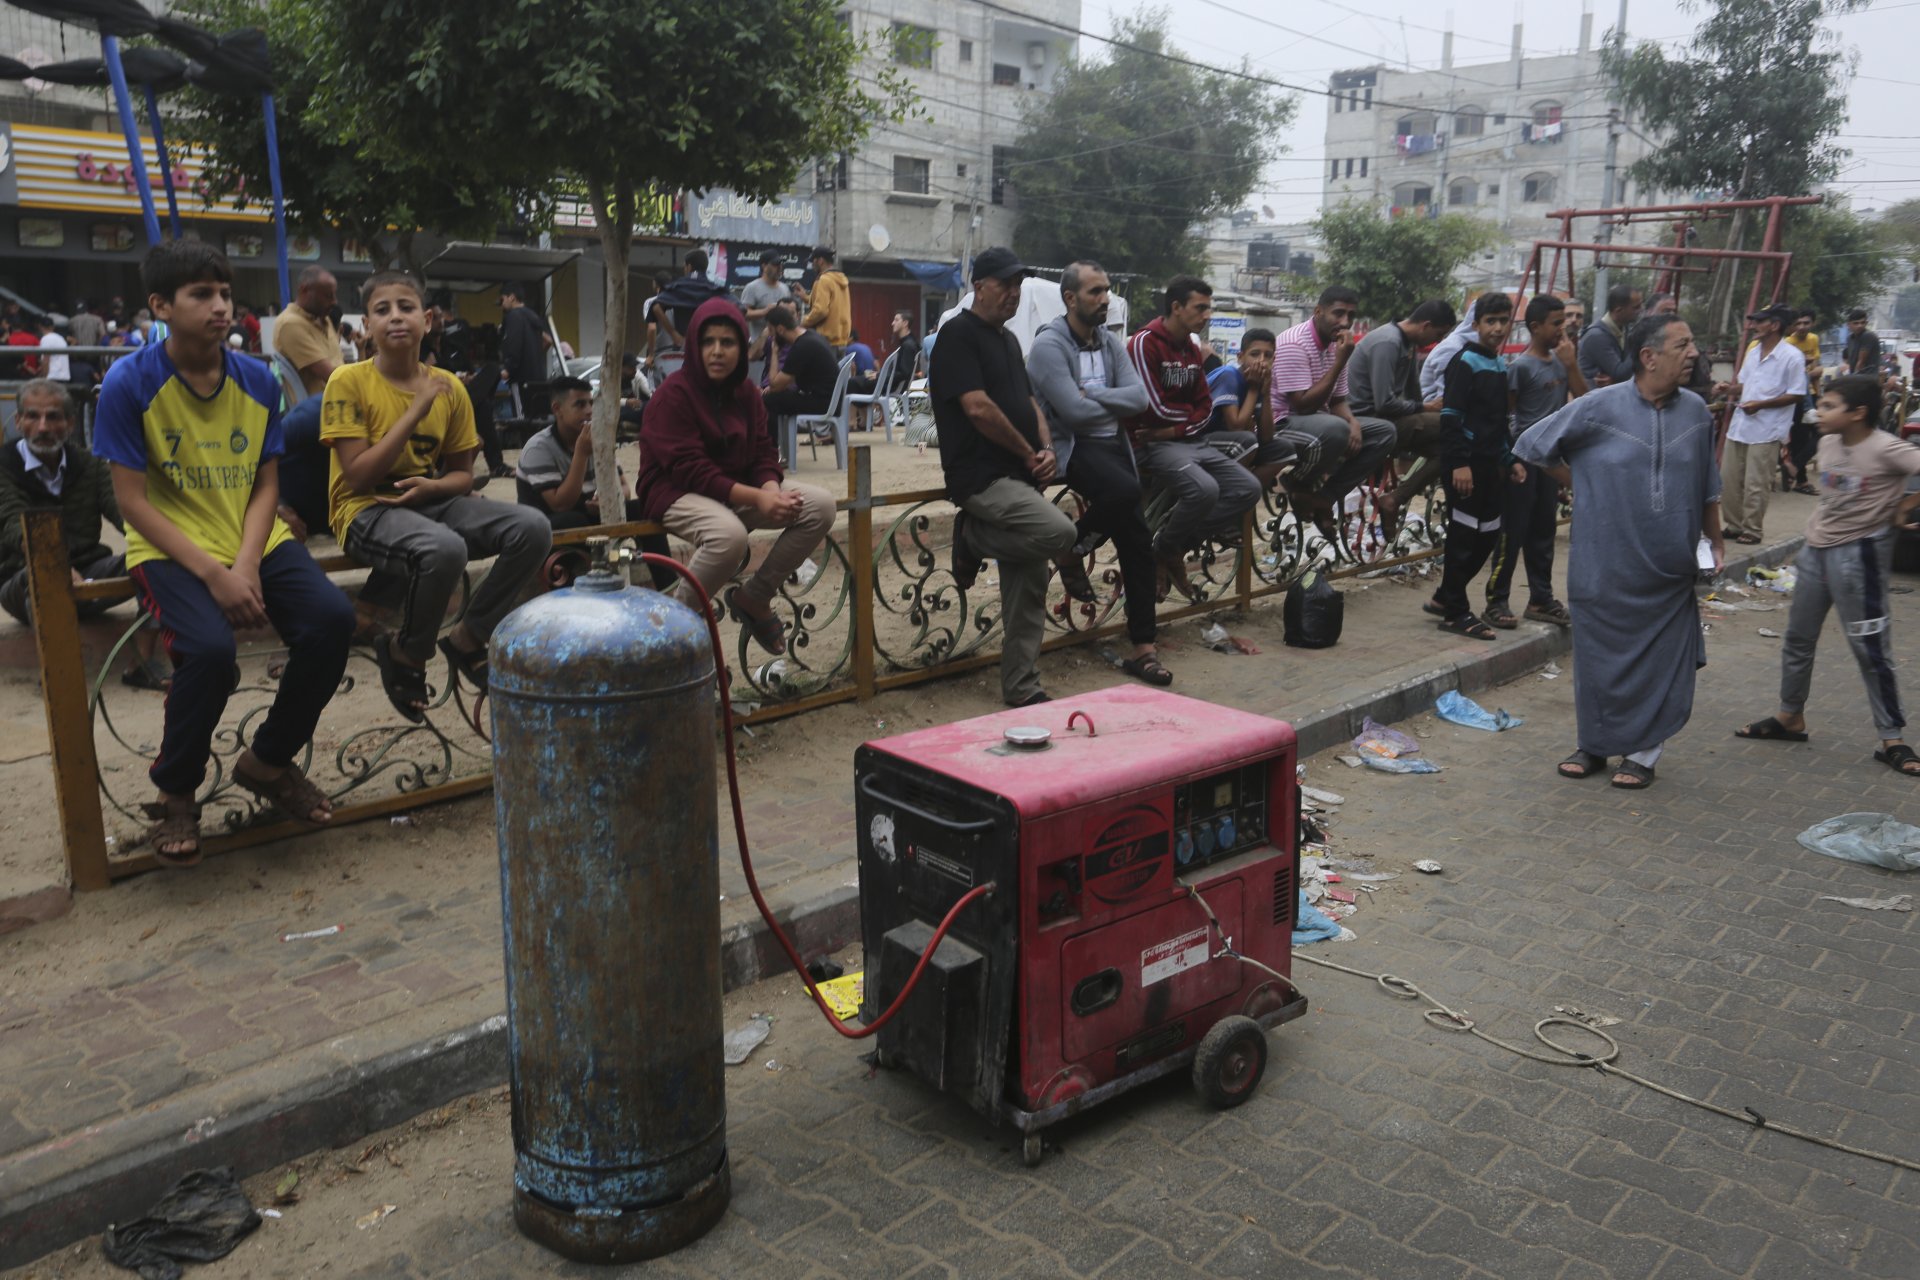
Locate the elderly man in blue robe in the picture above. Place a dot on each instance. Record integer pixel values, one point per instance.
(1646, 495)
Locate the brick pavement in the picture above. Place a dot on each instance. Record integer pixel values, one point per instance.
(1379, 1146)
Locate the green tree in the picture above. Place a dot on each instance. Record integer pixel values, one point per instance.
(1748, 107)
(1899, 228)
(328, 180)
(623, 97)
(1125, 156)
(1394, 263)
(1838, 261)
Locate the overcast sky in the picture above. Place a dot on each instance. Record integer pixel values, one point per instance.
(1884, 97)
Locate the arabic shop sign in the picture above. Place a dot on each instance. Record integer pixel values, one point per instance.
(728, 215)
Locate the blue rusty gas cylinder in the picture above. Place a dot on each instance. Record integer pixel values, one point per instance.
(603, 780)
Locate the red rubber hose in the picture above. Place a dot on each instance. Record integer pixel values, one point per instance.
(746, 862)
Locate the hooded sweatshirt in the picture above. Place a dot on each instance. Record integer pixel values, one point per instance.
(704, 437)
(832, 310)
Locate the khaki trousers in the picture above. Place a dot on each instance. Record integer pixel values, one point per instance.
(1746, 482)
(718, 534)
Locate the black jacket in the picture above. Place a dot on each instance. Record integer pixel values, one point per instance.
(85, 500)
(1475, 410)
(521, 350)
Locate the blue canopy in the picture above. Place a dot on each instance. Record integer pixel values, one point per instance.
(942, 276)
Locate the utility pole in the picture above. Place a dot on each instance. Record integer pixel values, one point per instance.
(1611, 186)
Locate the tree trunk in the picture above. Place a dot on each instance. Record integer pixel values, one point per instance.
(613, 219)
(1720, 305)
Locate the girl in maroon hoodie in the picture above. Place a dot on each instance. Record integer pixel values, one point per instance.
(710, 473)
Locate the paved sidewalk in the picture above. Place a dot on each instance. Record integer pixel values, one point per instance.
(164, 1024)
(1378, 1146)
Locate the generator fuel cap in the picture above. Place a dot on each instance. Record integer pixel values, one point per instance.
(1024, 737)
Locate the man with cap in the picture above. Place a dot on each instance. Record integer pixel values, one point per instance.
(830, 305)
(997, 456)
(1772, 381)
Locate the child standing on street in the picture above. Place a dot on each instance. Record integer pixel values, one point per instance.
(403, 442)
(193, 432)
(1862, 475)
(1475, 457)
(1542, 379)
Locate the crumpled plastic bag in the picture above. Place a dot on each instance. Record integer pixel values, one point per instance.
(1401, 764)
(1781, 580)
(1376, 741)
(1876, 839)
(1314, 925)
(1459, 708)
(200, 1220)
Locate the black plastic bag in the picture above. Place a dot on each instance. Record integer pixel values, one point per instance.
(201, 1219)
(1314, 613)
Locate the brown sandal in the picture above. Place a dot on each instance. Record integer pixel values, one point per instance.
(768, 632)
(292, 793)
(174, 823)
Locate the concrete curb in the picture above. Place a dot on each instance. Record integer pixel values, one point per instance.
(332, 1095)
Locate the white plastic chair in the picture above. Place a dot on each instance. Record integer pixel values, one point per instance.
(877, 396)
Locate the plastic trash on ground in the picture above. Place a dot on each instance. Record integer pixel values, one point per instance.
(1460, 709)
(1429, 866)
(1781, 580)
(744, 1039)
(1378, 741)
(1401, 764)
(1314, 925)
(1876, 839)
(843, 995)
(1899, 902)
(200, 1220)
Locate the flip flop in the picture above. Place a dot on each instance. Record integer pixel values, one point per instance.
(1769, 730)
(1748, 539)
(1898, 757)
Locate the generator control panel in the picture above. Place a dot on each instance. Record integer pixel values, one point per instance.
(1217, 817)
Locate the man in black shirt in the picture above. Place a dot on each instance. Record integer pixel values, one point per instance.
(523, 350)
(805, 369)
(997, 456)
(1862, 352)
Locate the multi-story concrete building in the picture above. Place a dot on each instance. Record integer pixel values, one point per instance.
(936, 188)
(1507, 141)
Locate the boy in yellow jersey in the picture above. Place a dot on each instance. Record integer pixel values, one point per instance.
(403, 441)
(192, 429)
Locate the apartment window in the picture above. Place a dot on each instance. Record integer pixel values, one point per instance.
(1367, 102)
(1493, 189)
(966, 51)
(1353, 100)
(1338, 99)
(912, 175)
(1004, 74)
(1349, 166)
(1363, 166)
(831, 175)
(1546, 113)
(1463, 191)
(960, 171)
(1333, 171)
(1469, 122)
(1003, 158)
(913, 46)
(1424, 122)
(1412, 193)
(1499, 119)
(1537, 189)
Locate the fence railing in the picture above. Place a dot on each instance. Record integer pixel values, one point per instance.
(878, 610)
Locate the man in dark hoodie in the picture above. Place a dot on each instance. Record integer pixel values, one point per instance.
(709, 471)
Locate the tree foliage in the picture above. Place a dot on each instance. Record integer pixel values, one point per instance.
(1749, 106)
(621, 97)
(1899, 229)
(1126, 155)
(1838, 261)
(1396, 263)
(328, 178)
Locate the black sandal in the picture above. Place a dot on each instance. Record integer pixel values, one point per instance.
(146, 674)
(1074, 580)
(1898, 757)
(1585, 764)
(1469, 626)
(1498, 615)
(1148, 667)
(1768, 730)
(471, 663)
(405, 686)
(1428, 606)
(1641, 774)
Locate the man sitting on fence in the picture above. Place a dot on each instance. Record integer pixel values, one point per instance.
(45, 470)
(1310, 389)
(1211, 490)
(1383, 385)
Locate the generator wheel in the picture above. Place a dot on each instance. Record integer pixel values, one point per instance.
(1030, 1150)
(1230, 1061)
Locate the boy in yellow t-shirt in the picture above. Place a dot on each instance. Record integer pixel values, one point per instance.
(193, 432)
(403, 441)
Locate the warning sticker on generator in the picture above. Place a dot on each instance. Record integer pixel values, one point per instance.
(1176, 955)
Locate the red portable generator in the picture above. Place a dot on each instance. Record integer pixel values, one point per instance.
(1103, 821)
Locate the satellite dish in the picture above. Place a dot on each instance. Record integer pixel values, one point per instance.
(878, 237)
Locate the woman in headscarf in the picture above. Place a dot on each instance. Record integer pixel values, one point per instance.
(709, 471)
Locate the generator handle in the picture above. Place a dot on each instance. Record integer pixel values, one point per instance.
(876, 794)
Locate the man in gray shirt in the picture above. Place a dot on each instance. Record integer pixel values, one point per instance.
(1603, 347)
(1542, 378)
(1381, 384)
(763, 293)
(1084, 380)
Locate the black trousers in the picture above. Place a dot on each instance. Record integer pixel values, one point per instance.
(1102, 472)
(1473, 527)
(793, 403)
(1529, 520)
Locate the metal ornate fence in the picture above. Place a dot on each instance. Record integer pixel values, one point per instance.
(875, 609)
